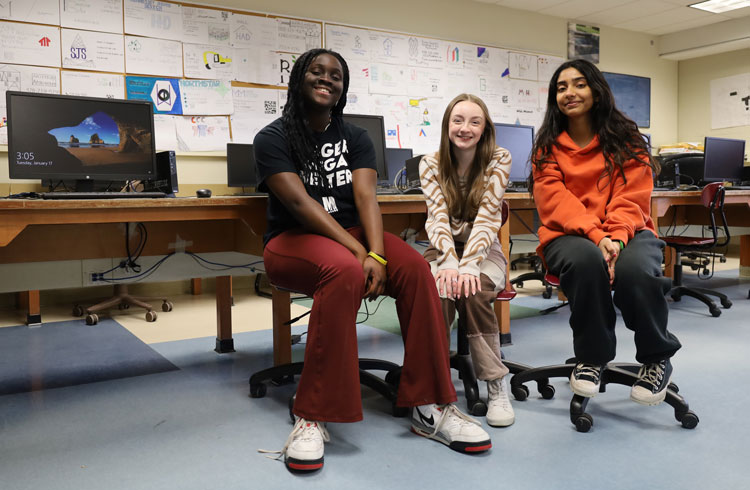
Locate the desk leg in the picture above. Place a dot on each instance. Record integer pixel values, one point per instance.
(744, 255)
(224, 341)
(502, 308)
(29, 301)
(282, 331)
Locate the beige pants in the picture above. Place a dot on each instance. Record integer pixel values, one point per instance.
(481, 323)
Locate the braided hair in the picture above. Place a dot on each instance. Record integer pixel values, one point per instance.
(302, 145)
(619, 137)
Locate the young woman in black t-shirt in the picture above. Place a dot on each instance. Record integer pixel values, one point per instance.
(326, 239)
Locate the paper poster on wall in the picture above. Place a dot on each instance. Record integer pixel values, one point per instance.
(202, 133)
(359, 75)
(424, 139)
(28, 79)
(524, 94)
(730, 101)
(255, 65)
(523, 66)
(546, 66)
(583, 42)
(209, 97)
(353, 44)
(425, 82)
(149, 56)
(205, 26)
(29, 44)
(388, 48)
(495, 92)
(165, 132)
(358, 102)
(298, 36)
(491, 62)
(207, 61)
(460, 55)
(87, 84)
(388, 79)
(96, 51)
(284, 67)
(395, 112)
(95, 15)
(153, 18)
(254, 108)
(460, 81)
(39, 11)
(163, 93)
(427, 53)
(252, 31)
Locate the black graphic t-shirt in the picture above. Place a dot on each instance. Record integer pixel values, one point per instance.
(343, 149)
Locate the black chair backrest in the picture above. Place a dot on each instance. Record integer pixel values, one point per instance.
(712, 197)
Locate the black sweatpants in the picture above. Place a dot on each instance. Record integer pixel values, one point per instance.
(639, 293)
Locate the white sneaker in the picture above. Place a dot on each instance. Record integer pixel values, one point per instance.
(448, 425)
(303, 450)
(499, 411)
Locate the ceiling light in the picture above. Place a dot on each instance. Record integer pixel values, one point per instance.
(718, 6)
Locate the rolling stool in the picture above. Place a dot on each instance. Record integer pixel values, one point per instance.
(284, 374)
(615, 372)
(461, 362)
(123, 300)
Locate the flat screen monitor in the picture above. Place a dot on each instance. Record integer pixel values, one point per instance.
(241, 170)
(395, 160)
(647, 139)
(632, 96)
(375, 128)
(723, 159)
(83, 139)
(519, 140)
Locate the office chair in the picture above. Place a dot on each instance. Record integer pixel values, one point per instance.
(285, 373)
(123, 301)
(535, 275)
(461, 359)
(614, 372)
(712, 198)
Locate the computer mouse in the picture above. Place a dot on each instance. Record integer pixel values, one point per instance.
(203, 193)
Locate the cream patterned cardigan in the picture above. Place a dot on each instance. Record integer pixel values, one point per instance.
(478, 236)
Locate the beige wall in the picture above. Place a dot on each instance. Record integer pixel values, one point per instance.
(461, 20)
(695, 97)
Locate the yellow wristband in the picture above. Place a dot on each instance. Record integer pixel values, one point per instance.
(377, 257)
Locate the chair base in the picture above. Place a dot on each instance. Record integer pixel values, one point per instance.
(123, 300)
(617, 373)
(702, 294)
(533, 276)
(388, 387)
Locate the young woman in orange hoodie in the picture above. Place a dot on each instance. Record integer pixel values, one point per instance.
(592, 180)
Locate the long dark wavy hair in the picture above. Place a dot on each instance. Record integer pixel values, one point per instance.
(464, 206)
(302, 144)
(619, 137)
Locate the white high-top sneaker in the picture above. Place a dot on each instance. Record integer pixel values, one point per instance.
(499, 411)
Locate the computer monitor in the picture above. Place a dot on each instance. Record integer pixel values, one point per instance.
(375, 128)
(519, 140)
(723, 159)
(241, 170)
(647, 139)
(395, 162)
(83, 139)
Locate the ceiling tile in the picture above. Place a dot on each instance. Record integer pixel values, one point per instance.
(533, 5)
(670, 27)
(672, 16)
(624, 13)
(573, 9)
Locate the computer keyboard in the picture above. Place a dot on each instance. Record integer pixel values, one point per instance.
(387, 190)
(103, 195)
(738, 188)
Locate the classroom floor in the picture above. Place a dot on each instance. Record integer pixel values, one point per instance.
(196, 428)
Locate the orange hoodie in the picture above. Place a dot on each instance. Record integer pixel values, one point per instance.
(572, 200)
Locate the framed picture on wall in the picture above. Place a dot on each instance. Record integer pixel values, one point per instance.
(583, 42)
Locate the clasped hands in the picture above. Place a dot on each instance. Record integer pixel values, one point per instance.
(452, 285)
(610, 250)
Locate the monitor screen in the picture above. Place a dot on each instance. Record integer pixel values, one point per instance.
(395, 160)
(241, 165)
(519, 140)
(79, 138)
(375, 128)
(723, 159)
(647, 139)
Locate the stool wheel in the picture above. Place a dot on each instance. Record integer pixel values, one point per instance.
(92, 319)
(478, 409)
(547, 391)
(167, 306)
(150, 316)
(258, 390)
(520, 392)
(78, 310)
(689, 419)
(714, 311)
(584, 422)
